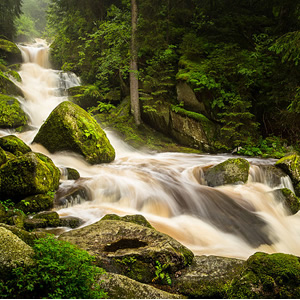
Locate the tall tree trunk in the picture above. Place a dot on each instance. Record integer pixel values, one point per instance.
(134, 84)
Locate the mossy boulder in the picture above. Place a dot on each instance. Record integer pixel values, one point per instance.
(136, 219)
(291, 165)
(130, 249)
(70, 128)
(11, 113)
(14, 252)
(290, 200)
(28, 237)
(27, 175)
(121, 287)
(231, 171)
(72, 174)
(267, 276)
(3, 157)
(70, 221)
(36, 203)
(14, 145)
(207, 277)
(10, 51)
(7, 87)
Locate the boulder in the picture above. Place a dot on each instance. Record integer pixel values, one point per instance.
(11, 113)
(14, 145)
(78, 95)
(14, 252)
(70, 221)
(231, 171)
(267, 276)
(291, 165)
(70, 128)
(73, 174)
(121, 287)
(36, 203)
(207, 277)
(10, 51)
(28, 237)
(290, 200)
(26, 175)
(7, 87)
(130, 249)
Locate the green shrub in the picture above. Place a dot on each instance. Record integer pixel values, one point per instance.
(61, 271)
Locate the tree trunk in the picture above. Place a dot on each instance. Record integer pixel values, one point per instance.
(134, 84)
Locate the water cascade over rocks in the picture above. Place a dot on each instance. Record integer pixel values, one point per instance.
(168, 189)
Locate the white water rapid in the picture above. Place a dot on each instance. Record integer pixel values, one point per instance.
(167, 188)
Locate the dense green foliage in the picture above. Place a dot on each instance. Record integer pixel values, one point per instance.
(240, 58)
(9, 11)
(61, 271)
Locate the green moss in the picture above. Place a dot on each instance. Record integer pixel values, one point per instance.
(14, 145)
(231, 171)
(70, 128)
(11, 113)
(7, 87)
(291, 200)
(267, 276)
(28, 175)
(52, 218)
(73, 174)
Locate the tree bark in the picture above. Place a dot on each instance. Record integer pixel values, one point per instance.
(134, 84)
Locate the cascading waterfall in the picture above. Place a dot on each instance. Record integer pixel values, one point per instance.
(167, 188)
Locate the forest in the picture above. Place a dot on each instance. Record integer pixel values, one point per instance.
(240, 58)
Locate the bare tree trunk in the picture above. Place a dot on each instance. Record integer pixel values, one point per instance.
(134, 84)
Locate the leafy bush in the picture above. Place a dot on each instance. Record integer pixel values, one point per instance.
(61, 271)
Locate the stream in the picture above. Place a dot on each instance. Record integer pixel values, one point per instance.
(167, 188)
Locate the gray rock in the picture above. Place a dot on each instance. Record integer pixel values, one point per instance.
(121, 287)
(130, 249)
(207, 276)
(14, 252)
(231, 171)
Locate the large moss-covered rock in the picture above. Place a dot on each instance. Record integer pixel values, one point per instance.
(290, 200)
(267, 276)
(28, 237)
(14, 252)
(231, 171)
(121, 287)
(14, 145)
(7, 87)
(11, 113)
(79, 96)
(10, 51)
(70, 128)
(29, 174)
(291, 165)
(36, 203)
(207, 277)
(130, 249)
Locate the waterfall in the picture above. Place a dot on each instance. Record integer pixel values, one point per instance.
(167, 188)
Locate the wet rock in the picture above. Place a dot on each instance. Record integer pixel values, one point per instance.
(291, 165)
(70, 193)
(51, 217)
(72, 222)
(10, 51)
(36, 203)
(130, 249)
(7, 87)
(207, 277)
(14, 252)
(78, 96)
(72, 174)
(14, 145)
(70, 128)
(267, 276)
(231, 171)
(121, 287)
(29, 174)
(11, 113)
(290, 200)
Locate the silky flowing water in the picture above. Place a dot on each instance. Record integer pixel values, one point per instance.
(167, 188)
